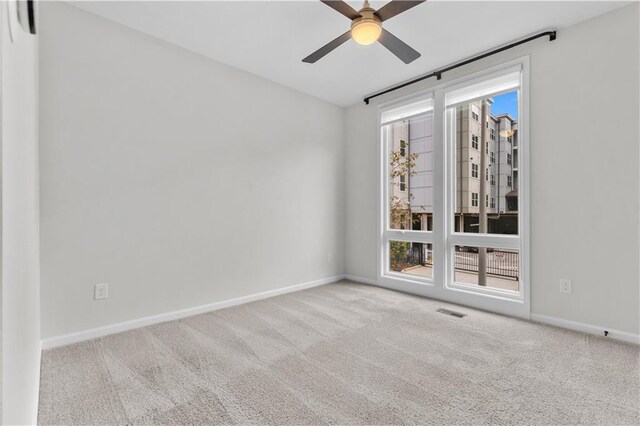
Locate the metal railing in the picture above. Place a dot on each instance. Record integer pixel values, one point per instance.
(420, 254)
(499, 262)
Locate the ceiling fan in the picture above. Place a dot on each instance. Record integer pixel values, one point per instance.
(366, 28)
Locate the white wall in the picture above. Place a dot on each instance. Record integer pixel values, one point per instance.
(178, 180)
(584, 171)
(20, 269)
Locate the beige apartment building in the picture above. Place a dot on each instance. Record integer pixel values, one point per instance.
(486, 170)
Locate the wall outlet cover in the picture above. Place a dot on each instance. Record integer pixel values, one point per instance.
(565, 285)
(100, 291)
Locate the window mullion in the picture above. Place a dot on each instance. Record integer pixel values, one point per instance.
(411, 236)
(439, 192)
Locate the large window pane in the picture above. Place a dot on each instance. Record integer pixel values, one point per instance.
(411, 258)
(487, 267)
(410, 177)
(486, 162)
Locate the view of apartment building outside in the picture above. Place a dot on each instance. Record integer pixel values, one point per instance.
(486, 163)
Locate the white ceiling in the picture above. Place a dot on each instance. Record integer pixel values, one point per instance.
(270, 38)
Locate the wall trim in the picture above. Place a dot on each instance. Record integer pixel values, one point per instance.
(106, 330)
(614, 334)
(587, 328)
(36, 396)
(360, 280)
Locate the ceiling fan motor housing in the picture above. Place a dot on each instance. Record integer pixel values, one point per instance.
(366, 29)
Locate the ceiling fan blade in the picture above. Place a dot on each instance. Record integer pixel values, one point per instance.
(327, 48)
(398, 47)
(343, 8)
(395, 7)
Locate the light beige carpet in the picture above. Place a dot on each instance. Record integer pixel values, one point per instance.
(342, 354)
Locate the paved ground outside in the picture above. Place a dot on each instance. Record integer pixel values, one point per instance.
(465, 277)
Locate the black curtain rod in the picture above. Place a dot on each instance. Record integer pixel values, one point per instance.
(438, 73)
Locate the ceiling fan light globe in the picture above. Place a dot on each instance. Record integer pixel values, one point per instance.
(366, 31)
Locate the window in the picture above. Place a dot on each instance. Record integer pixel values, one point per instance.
(408, 219)
(509, 139)
(509, 181)
(472, 232)
(432, 228)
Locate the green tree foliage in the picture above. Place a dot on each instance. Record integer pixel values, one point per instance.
(400, 164)
(398, 254)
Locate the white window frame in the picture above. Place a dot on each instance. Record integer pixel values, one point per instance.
(520, 299)
(439, 286)
(386, 234)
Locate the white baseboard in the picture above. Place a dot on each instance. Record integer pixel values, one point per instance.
(360, 280)
(558, 322)
(80, 336)
(587, 328)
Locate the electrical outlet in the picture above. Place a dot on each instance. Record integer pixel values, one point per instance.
(329, 257)
(565, 285)
(100, 291)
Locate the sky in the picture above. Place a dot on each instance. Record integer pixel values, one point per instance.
(506, 103)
